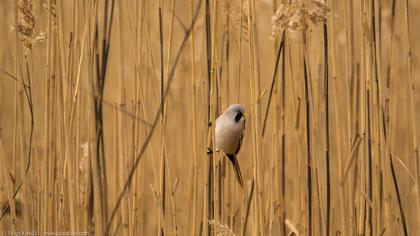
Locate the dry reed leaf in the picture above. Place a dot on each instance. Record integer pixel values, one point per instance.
(83, 172)
(292, 227)
(40, 38)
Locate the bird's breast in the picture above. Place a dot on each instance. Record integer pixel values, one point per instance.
(228, 136)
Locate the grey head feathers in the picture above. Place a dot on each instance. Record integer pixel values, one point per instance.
(236, 112)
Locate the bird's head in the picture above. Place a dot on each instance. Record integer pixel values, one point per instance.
(236, 112)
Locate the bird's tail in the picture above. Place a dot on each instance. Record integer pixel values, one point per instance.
(238, 173)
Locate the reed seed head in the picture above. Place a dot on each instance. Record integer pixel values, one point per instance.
(299, 15)
(221, 229)
(27, 23)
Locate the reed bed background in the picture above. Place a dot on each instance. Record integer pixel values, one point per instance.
(107, 111)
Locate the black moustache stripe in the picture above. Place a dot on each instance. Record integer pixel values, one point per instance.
(238, 117)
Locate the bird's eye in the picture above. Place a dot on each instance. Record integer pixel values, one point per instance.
(238, 116)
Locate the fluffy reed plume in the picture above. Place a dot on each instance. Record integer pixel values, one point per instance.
(238, 15)
(26, 24)
(221, 229)
(52, 7)
(299, 15)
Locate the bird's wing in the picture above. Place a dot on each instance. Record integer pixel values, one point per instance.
(239, 144)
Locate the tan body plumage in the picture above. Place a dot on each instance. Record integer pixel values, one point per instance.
(230, 126)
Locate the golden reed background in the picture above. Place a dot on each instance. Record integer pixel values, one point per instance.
(81, 87)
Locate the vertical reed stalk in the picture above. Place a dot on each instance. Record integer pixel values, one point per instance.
(271, 198)
(412, 93)
(238, 93)
(47, 167)
(213, 112)
(308, 140)
(254, 117)
(117, 158)
(376, 45)
(15, 120)
(121, 127)
(283, 141)
(162, 132)
(327, 127)
(194, 124)
(210, 166)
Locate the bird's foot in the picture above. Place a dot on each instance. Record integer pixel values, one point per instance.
(209, 151)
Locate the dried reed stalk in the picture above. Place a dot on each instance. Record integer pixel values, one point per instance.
(194, 125)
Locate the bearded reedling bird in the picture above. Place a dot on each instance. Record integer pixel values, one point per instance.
(229, 134)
